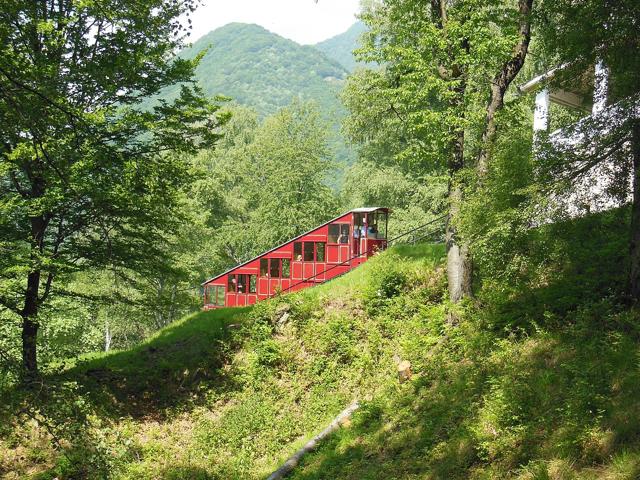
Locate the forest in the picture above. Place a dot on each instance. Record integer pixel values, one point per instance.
(135, 164)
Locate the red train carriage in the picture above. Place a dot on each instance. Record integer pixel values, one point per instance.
(314, 257)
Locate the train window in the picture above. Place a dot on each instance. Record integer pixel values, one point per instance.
(274, 271)
(308, 251)
(286, 268)
(209, 294)
(338, 233)
(382, 224)
(297, 251)
(220, 296)
(264, 267)
(231, 286)
(253, 281)
(334, 233)
(344, 233)
(320, 252)
(242, 284)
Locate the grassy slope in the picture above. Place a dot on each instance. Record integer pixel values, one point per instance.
(230, 394)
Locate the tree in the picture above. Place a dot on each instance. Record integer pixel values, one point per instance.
(266, 183)
(86, 180)
(614, 137)
(390, 170)
(436, 59)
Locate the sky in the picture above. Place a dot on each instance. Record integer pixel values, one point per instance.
(303, 21)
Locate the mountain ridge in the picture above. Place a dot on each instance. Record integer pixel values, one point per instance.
(265, 71)
(340, 47)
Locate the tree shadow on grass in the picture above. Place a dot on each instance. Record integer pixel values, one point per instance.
(173, 369)
(568, 397)
(568, 264)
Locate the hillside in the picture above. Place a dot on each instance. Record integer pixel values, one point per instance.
(230, 394)
(262, 70)
(340, 48)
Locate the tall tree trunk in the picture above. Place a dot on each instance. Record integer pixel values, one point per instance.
(634, 245)
(459, 263)
(31, 299)
(501, 82)
(30, 324)
(107, 336)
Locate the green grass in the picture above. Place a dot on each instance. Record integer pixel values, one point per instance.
(230, 394)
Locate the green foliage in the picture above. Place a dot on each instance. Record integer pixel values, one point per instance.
(88, 179)
(268, 183)
(434, 81)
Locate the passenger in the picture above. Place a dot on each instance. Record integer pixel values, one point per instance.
(373, 232)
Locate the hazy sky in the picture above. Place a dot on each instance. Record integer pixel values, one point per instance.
(304, 21)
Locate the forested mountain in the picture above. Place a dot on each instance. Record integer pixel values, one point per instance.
(340, 48)
(260, 69)
(265, 71)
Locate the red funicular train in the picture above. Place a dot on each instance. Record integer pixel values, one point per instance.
(314, 257)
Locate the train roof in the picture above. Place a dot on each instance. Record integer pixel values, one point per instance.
(355, 210)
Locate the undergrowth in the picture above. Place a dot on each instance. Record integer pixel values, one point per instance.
(231, 394)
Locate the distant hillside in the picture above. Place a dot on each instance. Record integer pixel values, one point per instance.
(265, 71)
(340, 48)
(261, 69)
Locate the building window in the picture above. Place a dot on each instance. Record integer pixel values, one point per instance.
(274, 271)
(253, 281)
(297, 251)
(308, 251)
(242, 284)
(231, 286)
(286, 268)
(220, 296)
(320, 252)
(264, 267)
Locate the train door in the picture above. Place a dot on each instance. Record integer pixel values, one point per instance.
(296, 263)
(231, 290)
(338, 250)
(308, 260)
(321, 261)
(252, 296)
(242, 287)
(263, 279)
(275, 284)
(285, 274)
